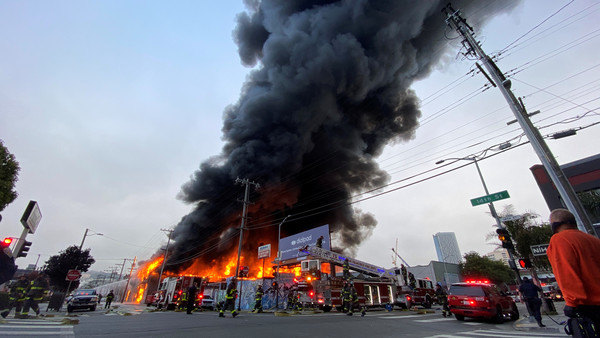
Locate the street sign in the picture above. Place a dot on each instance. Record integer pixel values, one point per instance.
(490, 198)
(510, 218)
(264, 251)
(73, 275)
(539, 250)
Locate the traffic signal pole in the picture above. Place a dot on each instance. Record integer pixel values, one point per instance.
(566, 191)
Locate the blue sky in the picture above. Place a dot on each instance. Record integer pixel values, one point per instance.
(110, 106)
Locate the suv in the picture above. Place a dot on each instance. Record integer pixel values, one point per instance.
(481, 299)
(82, 299)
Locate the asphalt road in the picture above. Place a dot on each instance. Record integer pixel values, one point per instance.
(137, 321)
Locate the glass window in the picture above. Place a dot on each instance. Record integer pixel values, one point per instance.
(368, 297)
(467, 290)
(391, 294)
(375, 290)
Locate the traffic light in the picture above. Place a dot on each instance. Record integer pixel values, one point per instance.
(6, 242)
(274, 284)
(525, 263)
(504, 237)
(24, 249)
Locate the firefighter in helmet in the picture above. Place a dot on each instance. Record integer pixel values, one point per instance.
(230, 296)
(258, 298)
(442, 297)
(35, 293)
(412, 280)
(346, 270)
(16, 296)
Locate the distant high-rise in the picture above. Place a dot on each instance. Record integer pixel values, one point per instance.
(446, 247)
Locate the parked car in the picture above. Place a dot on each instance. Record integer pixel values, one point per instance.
(481, 299)
(207, 302)
(82, 299)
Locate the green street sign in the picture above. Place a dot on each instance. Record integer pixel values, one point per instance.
(490, 198)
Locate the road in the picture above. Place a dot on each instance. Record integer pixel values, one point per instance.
(130, 320)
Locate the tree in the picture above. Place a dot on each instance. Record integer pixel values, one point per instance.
(9, 174)
(525, 233)
(477, 267)
(56, 267)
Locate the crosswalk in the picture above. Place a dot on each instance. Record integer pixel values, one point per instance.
(499, 333)
(35, 328)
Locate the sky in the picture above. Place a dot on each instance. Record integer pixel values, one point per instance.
(110, 107)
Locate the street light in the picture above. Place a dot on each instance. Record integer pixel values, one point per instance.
(279, 260)
(86, 234)
(491, 204)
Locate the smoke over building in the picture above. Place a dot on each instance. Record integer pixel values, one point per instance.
(329, 89)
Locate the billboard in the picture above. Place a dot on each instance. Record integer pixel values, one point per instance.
(289, 246)
(264, 251)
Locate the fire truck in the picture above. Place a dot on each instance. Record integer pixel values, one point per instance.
(172, 288)
(376, 286)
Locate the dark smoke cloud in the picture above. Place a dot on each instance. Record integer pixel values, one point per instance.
(330, 90)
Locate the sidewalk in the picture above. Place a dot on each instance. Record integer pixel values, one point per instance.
(552, 322)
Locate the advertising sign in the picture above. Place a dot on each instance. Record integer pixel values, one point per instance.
(31, 217)
(539, 250)
(264, 251)
(289, 245)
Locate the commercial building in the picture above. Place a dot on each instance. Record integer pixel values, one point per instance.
(446, 247)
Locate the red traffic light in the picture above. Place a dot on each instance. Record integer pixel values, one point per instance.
(6, 242)
(525, 263)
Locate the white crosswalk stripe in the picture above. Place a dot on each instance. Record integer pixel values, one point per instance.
(35, 328)
(500, 334)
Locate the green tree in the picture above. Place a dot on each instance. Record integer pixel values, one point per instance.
(525, 233)
(56, 267)
(478, 267)
(591, 203)
(9, 175)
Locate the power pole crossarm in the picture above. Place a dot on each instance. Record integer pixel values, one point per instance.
(566, 191)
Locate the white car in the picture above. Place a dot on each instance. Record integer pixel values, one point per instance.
(207, 302)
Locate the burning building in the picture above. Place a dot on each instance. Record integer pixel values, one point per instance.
(329, 88)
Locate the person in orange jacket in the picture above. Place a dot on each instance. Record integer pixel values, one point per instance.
(573, 255)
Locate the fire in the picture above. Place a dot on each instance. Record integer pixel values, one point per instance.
(144, 272)
(140, 294)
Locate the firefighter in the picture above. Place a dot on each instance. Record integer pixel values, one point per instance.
(291, 299)
(345, 295)
(413, 281)
(182, 301)
(17, 296)
(346, 270)
(109, 299)
(230, 296)
(34, 294)
(191, 302)
(320, 242)
(442, 296)
(258, 298)
(350, 296)
(404, 274)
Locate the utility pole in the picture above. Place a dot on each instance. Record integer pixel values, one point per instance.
(246, 201)
(162, 267)
(123, 266)
(566, 191)
(128, 279)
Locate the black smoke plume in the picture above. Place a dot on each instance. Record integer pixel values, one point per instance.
(330, 88)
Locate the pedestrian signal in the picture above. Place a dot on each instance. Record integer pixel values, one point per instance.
(525, 263)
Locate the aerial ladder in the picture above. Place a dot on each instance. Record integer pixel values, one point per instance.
(354, 264)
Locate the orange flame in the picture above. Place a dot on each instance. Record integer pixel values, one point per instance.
(140, 294)
(144, 272)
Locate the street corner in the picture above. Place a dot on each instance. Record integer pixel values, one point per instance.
(530, 324)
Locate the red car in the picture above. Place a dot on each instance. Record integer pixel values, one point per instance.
(481, 299)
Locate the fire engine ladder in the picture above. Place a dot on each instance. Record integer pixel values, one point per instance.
(355, 264)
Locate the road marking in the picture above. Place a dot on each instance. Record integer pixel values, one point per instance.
(398, 317)
(433, 320)
(36, 328)
(498, 333)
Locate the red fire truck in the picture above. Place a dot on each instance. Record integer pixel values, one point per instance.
(376, 286)
(172, 288)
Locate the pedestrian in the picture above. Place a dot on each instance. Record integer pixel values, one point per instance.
(191, 301)
(16, 296)
(529, 292)
(442, 297)
(230, 296)
(34, 294)
(258, 299)
(109, 299)
(99, 298)
(574, 256)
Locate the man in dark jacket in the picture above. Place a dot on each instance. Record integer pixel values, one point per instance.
(109, 299)
(442, 297)
(529, 292)
(191, 301)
